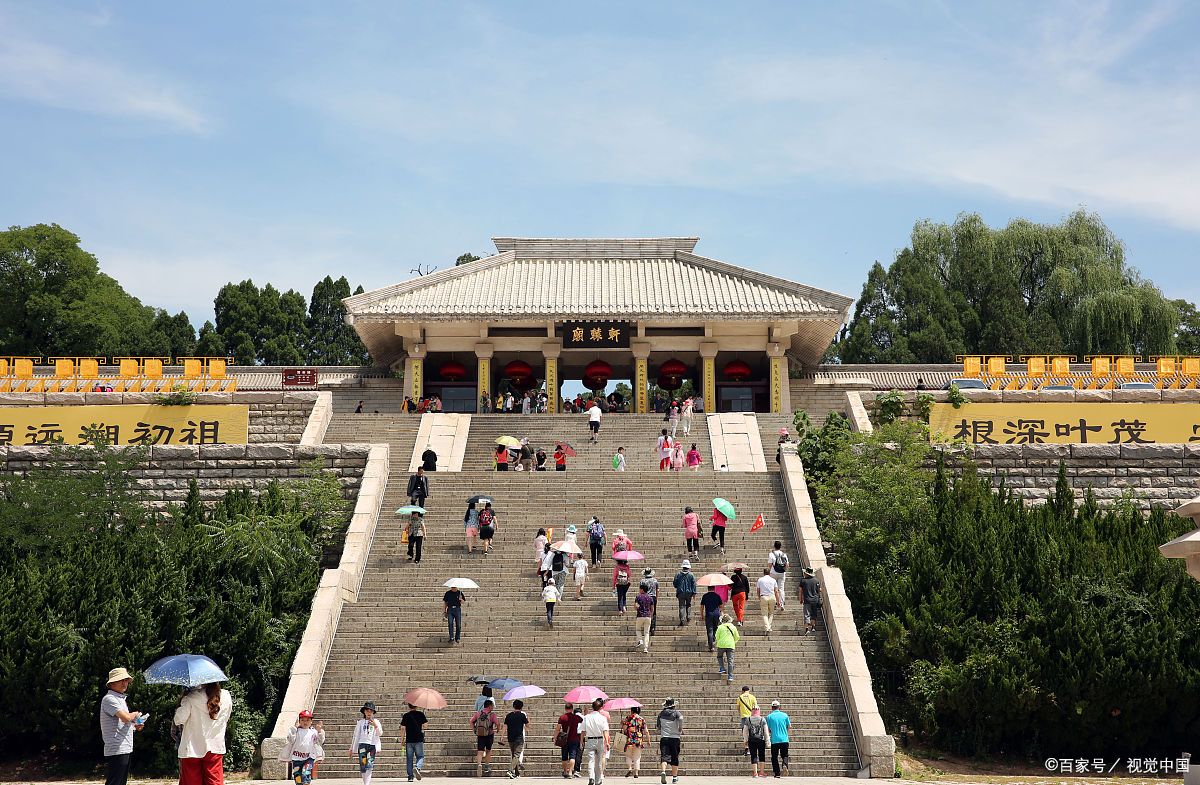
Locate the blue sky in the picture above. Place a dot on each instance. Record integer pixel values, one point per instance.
(194, 144)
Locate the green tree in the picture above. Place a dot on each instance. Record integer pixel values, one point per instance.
(331, 340)
(1187, 337)
(210, 343)
(466, 258)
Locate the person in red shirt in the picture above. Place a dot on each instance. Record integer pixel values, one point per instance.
(718, 527)
(560, 459)
(568, 725)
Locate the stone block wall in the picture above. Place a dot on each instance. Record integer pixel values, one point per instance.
(217, 468)
(1157, 474)
(819, 398)
(275, 417)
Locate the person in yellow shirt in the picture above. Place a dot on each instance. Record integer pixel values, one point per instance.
(746, 703)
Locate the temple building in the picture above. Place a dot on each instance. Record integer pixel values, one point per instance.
(547, 311)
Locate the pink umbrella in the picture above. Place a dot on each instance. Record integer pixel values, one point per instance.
(628, 556)
(584, 694)
(621, 703)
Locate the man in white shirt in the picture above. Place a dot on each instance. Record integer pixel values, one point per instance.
(768, 597)
(594, 415)
(596, 742)
(778, 561)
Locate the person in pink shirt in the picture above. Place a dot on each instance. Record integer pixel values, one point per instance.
(723, 591)
(718, 527)
(691, 532)
(677, 457)
(693, 458)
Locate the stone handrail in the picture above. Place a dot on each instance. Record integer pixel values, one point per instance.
(318, 420)
(856, 412)
(337, 587)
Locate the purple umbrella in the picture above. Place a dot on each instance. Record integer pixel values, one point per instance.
(524, 691)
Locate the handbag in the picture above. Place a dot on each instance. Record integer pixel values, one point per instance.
(560, 739)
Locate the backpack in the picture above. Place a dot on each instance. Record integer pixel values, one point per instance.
(758, 730)
(616, 461)
(483, 724)
(596, 532)
(558, 563)
(623, 578)
(781, 562)
(486, 517)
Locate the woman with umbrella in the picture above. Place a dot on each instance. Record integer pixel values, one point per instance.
(622, 578)
(471, 525)
(637, 736)
(203, 712)
(722, 513)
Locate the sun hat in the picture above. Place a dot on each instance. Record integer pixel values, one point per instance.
(685, 565)
(620, 532)
(368, 705)
(571, 529)
(783, 431)
(726, 618)
(648, 573)
(117, 674)
(808, 571)
(669, 703)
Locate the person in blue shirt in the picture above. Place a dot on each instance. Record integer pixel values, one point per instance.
(778, 723)
(711, 602)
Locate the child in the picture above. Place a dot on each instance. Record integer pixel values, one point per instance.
(581, 571)
(693, 458)
(572, 533)
(550, 596)
(368, 741)
(618, 461)
(539, 549)
(677, 457)
(303, 748)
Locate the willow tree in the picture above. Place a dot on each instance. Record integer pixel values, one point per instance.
(1027, 288)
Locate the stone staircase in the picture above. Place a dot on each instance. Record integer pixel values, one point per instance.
(637, 433)
(768, 427)
(394, 637)
(398, 431)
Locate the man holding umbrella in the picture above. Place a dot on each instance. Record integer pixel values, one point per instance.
(452, 602)
(117, 726)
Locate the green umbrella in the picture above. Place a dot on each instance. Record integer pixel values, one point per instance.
(409, 509)
(725, 507)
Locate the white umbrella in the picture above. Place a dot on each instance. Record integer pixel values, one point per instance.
(461, 583)
(563, 546)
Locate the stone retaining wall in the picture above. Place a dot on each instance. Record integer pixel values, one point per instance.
(1157, 474)
(275, 417)
(819, 397)
(216, 468)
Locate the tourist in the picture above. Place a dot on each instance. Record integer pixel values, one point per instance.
(723, 591)
(482, 698)
(677, 457)
(618, 461)
(778, 724)
(418, 488)
(471, 525)
(664, 451)
(429, 459)
(637, 737)
(547, 568)
(920, 383)
(718, 528)
(560, 458)
(436, 404)
(810, 595)
(412, 736)
(783, 439)
(550, 597)
(527, 403)
(645, 616)
(685, 590)
(621, 543)
(746, 704)
(622, 578)
(368, 741)
(566, 736)
(754, 734)
(693, 458)
(501, 458)
(409, 406)
(508, 402)
(571, 538)
(558, 568)
(685, 415)
(416, 536)
(581, 573)
(485, 723)
(422, 405)
(539, 549)
(526, 455)
(487, 527)
(652, 587)
(499, 403)
(117, 726)
(540, 459)
(711, 603)
(597, 742)
(727, 637)
(594, 415)
(738, 591)
(514, 731)
(578, 402)
(485, 403)
(203, 712)
(357, 409)
(595, 532)
(452, 602)
(691, 533)
(670, 731)
(777, 560)
(303, 748)
(673, 419)
(768, 597)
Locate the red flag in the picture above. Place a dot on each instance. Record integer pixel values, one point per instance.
(758, 524)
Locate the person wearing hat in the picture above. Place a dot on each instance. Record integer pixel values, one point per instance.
(303, 748)
(651, 589)
(685, 590)
(412, 736)
(622, 580)
(727, 637)
(621, 542)
(368, 741)
(810, 594)
(778, 723)
(117, 726)
(670, 731)
(572, 537)
(203, 712)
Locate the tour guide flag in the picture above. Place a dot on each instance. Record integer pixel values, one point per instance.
(758, 524)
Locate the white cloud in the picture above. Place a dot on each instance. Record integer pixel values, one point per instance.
(32, 70)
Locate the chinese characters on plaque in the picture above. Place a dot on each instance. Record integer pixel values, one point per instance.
(143, 425)
(1068, 423)
(596, 335)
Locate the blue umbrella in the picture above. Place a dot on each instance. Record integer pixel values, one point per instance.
(504, 683)
(186, 670)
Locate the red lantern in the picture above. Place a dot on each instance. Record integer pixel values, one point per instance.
(672, 367)
(670, 382)
(452, 371)
(518, 369)
(594, 383)
(737, 371)
(598, 369)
